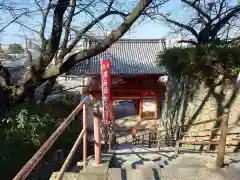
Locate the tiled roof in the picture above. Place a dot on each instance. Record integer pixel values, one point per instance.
(128, 57)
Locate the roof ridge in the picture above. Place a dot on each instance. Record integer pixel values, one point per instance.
(131, 40)
(128, 39)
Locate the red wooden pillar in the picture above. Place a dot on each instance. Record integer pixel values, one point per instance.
(156, 107)
(140, 108)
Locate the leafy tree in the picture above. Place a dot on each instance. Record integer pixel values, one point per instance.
(15, 48)
(211, 40)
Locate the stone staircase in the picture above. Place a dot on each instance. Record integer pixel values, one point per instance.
(140, 163)
(135, 162)
(141, 172)
(173, 171)
(91, 172)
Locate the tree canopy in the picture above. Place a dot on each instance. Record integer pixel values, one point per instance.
(210, 44)
(15, 48)
(206, 21)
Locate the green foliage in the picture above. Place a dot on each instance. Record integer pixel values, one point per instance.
(176, 60)
(26, 127)
(201, 61)
(15, 48)
(236, 70)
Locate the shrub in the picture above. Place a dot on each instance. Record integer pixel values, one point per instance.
(202, 61)
(26, 127)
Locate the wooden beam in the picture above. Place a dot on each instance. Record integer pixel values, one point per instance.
(135, 90)
(148, 97)
(98, 97)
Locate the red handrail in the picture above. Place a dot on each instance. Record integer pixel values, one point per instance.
(29, 166)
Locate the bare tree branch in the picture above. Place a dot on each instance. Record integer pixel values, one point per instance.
(110, 5)
(101, 46)
(85, 7)
(188, 41)
(44, 21)
(188, 28)
(218, 26)
(54, 41)
(197, 8)
(39, 6)
(50, 46)
(68, 24)
(15, 19)
(87, 28)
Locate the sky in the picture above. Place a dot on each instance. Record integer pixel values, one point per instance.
(146, 30)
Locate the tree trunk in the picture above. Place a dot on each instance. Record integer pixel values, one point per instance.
(47, 89)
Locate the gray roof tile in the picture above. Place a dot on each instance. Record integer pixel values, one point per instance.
(128, 57)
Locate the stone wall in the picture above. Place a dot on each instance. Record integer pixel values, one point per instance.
(189, 101)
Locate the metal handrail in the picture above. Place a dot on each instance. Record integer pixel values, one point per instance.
(75, 146)
(70, 155)
(29, 166)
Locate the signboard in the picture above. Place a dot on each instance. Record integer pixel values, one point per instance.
(106, 88)
(149, 105)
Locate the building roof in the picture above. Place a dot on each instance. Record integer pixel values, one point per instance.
(128, 57)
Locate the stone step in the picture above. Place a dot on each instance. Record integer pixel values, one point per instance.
(150, 171)
(77, 176)
(197, 173)
(145, 173)
(233, 172)
(131, 174)
(151, 166)
(127, 166)
(115, 174)
(142, 172)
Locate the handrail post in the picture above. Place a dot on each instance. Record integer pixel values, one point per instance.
(149, 140)
(158, 138)
(223, 137)
(97, 141)
(110, 141)
(85, 136)
(105, 126)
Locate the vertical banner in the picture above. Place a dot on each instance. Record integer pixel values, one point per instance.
(106, 88)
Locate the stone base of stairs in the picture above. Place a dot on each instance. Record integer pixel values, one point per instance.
(92, 172)
(79, 176)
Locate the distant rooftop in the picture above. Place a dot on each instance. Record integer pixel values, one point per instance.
(128, 57)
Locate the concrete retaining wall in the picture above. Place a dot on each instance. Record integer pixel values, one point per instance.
(189, 101)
